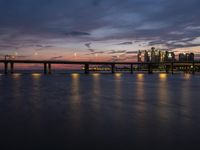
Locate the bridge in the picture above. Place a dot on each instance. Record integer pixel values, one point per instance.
(169, 66)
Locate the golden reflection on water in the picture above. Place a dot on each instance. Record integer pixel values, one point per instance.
(187, 76)
(36, 75)
(96, 75)
(163, 98)
(16, 75)
(141, 106)
(75, 75)
(75, 91)
(118, 75)
(118, 100)
(96, 92)
(75, 102)
(163, 76)
(140, 77)
(16, 91)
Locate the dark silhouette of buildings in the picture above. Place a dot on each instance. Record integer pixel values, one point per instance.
(184, 57)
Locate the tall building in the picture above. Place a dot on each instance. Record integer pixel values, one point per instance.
(153, 54)
(186, 57)
(139, 56)
(146, 56)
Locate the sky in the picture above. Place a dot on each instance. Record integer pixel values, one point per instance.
(96, 30)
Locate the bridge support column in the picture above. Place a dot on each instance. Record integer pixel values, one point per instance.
(86, 68)
(49, 68)
(11, 67)
(6, 67)
(150, 69)
(131, 68)
(45, 68)
(113, 68)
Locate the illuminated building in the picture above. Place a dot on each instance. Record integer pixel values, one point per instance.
(186, 57)
(139, 56)
(146, 56)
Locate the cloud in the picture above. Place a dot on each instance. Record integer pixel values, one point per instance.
(88, 45)
(76, 21)
(117, 51)
(131, 52)
(77, 33)
(56, 57)
(125, 43)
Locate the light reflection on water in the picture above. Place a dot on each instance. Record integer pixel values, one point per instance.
(100, 107)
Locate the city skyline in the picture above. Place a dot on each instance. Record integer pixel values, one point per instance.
(97, 30)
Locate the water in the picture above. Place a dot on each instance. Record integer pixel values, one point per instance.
(99, 111)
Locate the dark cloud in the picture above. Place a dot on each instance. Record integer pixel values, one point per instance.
(157, 21)
(56, 57)
(131, 52)
(88, 45)
(125, 43)
(77, 33)
(91, 50)
(117, 51)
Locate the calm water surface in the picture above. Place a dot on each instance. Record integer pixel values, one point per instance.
(99, 111)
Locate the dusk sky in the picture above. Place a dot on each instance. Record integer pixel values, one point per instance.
(97, 29)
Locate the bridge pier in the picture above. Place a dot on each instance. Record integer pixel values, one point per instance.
(11, 67)
(6, 67)
(49, 68)
(86, 68)
(45, 68)
(113, 68)
(131, 68)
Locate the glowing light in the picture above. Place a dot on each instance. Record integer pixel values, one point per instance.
(75, 75)
(118, 75)
(140, 76)
(17, 74)
(36, 75)
(96, 55)
(16, 53)
(96, 74)
(36, 53)
(163, 76)
(187, 76)
(75, 54)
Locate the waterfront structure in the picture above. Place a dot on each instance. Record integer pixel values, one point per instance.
(146, 66)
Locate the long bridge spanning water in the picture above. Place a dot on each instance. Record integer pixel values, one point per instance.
(169, 66)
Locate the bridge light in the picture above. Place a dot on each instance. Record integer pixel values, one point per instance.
(16, 53)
